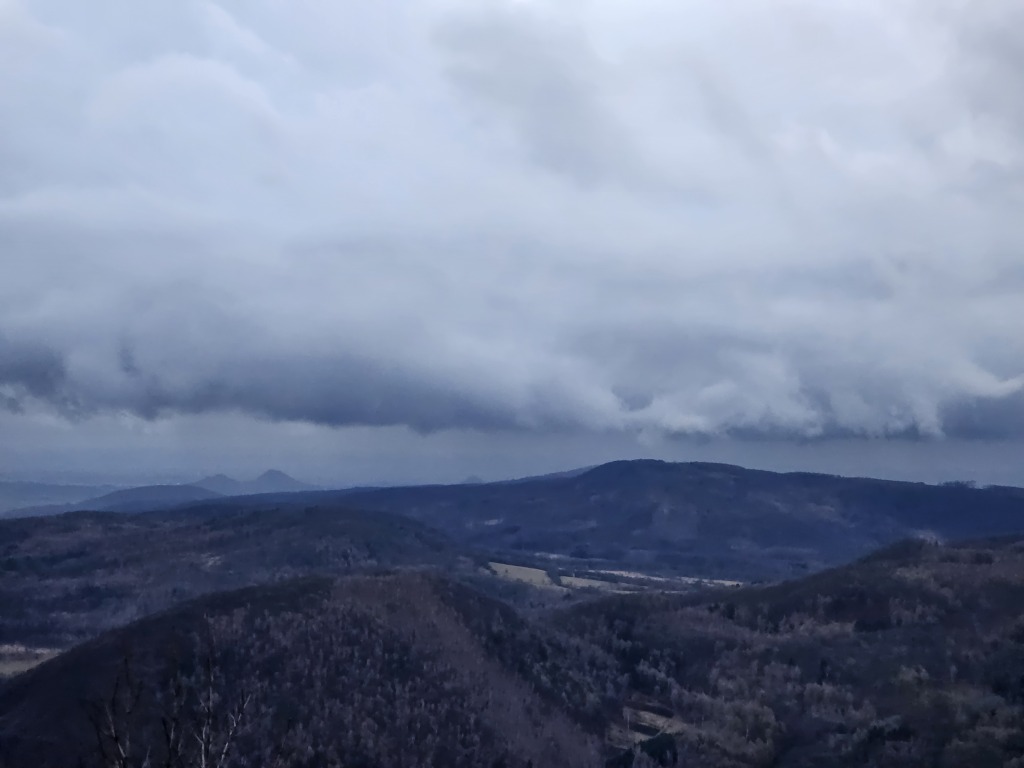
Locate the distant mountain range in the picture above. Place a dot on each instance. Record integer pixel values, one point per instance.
(699, 519)
(51, 500)
(16, 494)
(271, 481)
(705, 519)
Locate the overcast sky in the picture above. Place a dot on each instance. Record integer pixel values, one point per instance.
(398, 240)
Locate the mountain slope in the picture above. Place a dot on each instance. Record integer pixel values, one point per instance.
(372, 670)
(708, 520)
(276, 481)
(141, 499)
(17, 495)
(704, 519)
(222, 484)
(145, 498)
(65, 578)
(911, 657)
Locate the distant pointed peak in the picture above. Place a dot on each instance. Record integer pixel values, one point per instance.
(219, 483)
(275, 474)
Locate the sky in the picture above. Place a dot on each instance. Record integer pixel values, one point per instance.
(413, 242)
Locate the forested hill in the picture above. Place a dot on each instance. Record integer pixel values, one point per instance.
(707, 519)
(910, 658)
(405, 669)
(695, 519)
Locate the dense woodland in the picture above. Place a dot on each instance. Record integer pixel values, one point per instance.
(66, 578)
(700, 519)
(913, 656)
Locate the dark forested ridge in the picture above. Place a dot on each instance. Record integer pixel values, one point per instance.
(63, 579)
(913, 656)
(694, 519)
(704, 519)
(388, 670)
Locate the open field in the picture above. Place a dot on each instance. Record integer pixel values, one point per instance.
(579, 582)
(566, 578)
(532, 576)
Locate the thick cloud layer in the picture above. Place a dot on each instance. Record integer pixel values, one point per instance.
(789, 219)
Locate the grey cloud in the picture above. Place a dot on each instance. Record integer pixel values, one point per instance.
(993, 51)
(525, 219)
(336, 392)
(543, 81)
(680, 379)
(548, 83)
(986, 419)
(28, 369)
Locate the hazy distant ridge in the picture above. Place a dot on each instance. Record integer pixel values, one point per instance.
(271, 481)
(53, 501)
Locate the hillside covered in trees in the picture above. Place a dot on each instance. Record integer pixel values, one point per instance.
(913, 656)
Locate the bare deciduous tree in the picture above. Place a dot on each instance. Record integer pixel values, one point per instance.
(113, 719)
(190, 717)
